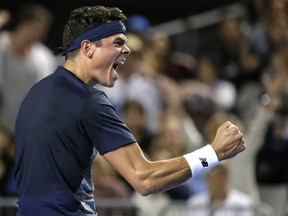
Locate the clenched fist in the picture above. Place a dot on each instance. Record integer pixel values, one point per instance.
(228, 141)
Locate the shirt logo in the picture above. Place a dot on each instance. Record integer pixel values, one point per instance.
(204, 162)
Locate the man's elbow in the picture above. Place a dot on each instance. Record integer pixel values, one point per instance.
(144, 190)
(145, 186)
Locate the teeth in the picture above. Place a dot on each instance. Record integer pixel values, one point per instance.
(121, 62)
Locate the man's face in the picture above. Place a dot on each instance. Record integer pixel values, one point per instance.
(107, 57)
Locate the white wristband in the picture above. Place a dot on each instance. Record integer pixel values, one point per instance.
(201, 160)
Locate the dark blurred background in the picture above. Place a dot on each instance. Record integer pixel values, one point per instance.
(157, 11)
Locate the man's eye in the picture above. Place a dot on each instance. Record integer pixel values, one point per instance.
(119, 43)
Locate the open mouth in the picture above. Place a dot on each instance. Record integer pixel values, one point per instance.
(117, 63)
(115, 66)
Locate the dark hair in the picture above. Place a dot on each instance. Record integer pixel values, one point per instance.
(87, 17)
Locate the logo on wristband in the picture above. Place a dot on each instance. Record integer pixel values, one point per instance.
(204, 162)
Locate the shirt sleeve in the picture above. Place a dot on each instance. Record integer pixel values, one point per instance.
(106, 130)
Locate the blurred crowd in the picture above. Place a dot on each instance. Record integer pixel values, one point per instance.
(173, 101)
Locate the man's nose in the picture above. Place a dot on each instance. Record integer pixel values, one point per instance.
(126, 50)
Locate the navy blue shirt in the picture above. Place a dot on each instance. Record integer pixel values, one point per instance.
(61, 125)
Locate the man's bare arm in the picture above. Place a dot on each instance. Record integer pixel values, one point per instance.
(149, 177)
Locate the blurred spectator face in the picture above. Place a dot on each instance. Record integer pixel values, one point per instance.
(134, 115)
(218, 181)
(278, 12)
(161, 44)
(207, 71)
(33, 22)
(171, 136)
(277, 33)
(230, 29)
(160, 154)
(35, 30)
(4, 17)
(5, 140)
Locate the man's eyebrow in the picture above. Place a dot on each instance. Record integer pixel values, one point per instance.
(120, 39)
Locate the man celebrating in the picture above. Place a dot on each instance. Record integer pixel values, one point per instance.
(64, 122)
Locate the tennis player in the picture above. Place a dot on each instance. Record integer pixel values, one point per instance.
(63, 123)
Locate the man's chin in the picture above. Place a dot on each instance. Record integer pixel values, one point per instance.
(111, 85)
(108, 85)
(112, 82)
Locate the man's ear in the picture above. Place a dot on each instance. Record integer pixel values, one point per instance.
(87, 48)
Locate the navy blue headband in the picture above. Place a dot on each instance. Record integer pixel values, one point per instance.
(99, 32)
